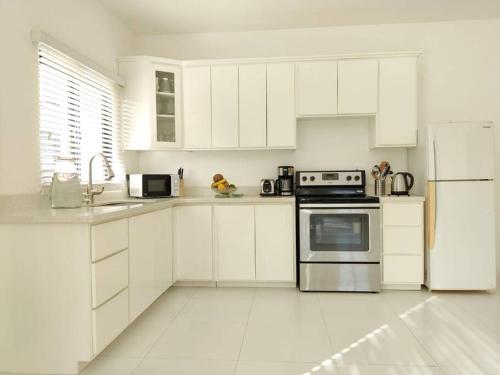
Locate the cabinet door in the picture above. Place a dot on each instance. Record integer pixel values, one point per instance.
(167, 103)
(316, 88)
(225, 106)
(252, 94)
(280, 105)
(397, 117)
(193, 243)
(235, 242)
(274, 235)
(402, 269)
(197, 107)
(358, 86)
(149, 259)
(138, 106)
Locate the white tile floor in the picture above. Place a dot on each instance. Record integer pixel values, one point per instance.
(245, 331)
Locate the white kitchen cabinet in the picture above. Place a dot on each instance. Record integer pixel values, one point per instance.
(235, 242)
(150, 258)
(402, 242)
(109, 276)
(252, 105)
(109, 320)
(193, 243)
(224, 106)
(280, 105)
(316, 88)
(274, 236)
(152, 103)
(357, 86)
(396, 122)
(197, 107)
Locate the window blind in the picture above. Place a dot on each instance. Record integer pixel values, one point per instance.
(79, 115)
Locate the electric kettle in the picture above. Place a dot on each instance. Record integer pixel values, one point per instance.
(401, 183)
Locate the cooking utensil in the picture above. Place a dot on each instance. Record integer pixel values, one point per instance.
(376, 172)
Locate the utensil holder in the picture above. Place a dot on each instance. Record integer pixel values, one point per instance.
(380, 187)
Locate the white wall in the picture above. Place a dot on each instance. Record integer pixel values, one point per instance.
(321, 144)
(459, 79)
(87, 28)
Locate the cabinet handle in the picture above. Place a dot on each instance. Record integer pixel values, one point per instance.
(431, 214)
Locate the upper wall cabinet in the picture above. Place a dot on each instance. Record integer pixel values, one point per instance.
(247, 106)
(396, 122)
(152, 103)
(280, 105)
(197, 107)
(357, 86)
(224, 106)
(316, 88)
(252, 106)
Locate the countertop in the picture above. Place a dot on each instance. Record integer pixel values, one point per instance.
(35, 209)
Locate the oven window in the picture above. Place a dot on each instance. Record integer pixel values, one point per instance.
(156, 185)
(339, 232)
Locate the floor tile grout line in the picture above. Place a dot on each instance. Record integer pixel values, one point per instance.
(163, 331)
(245, 332)
(327, 333)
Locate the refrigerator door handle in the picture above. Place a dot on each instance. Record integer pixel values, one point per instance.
(434, 177)
(431, 213)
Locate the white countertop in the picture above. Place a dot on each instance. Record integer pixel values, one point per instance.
(35, 209)
(401, 198)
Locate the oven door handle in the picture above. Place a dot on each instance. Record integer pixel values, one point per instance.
(339, 205)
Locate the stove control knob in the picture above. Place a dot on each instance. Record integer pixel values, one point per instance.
(304, 178)
(356, 178)
(349, 178)
(313, 178)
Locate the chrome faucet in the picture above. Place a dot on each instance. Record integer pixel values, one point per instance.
(89, 194)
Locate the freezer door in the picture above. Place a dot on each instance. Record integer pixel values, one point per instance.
(463, 255)
(461, 151)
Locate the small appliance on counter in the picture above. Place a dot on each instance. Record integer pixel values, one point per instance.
(153, 185)
(284, 183)
(267, 187)
(401, 183)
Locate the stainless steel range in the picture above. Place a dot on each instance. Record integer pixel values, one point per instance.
(338, 232)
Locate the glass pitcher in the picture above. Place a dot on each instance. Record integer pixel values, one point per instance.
(65, 190)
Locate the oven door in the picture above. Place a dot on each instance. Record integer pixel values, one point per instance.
(339, 233)
(156, 185)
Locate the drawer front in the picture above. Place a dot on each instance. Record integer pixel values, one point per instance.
(403, 214)
(109, 238)
(109, 276)
(403, 240)
(109, 321)
(403, 269)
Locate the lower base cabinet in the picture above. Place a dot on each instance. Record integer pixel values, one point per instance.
(254, 242)
(109, 320)
(193, 243)
(150, 258)
(275, 249)
(403, 243)
(235, 242)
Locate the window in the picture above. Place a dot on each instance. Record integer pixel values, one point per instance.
(79, 115)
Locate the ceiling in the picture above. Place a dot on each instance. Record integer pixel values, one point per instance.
(146, 17)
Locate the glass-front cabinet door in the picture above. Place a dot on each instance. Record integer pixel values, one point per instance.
(167, 109)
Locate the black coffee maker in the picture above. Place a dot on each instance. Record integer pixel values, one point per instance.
(284, 183)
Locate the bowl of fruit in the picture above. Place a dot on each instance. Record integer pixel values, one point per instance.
(222, 187)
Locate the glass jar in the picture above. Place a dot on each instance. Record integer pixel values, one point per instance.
(65, 190)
